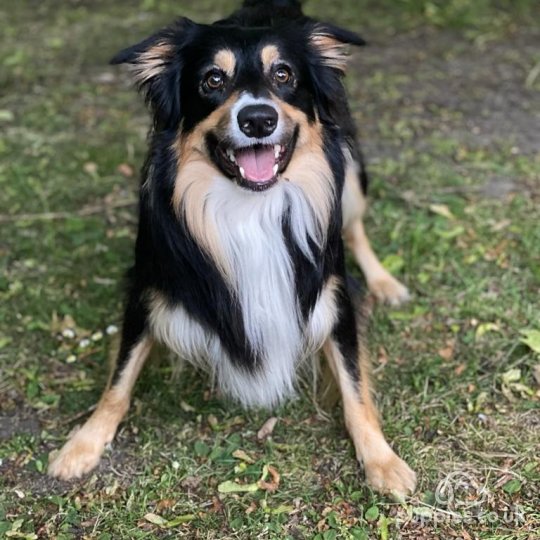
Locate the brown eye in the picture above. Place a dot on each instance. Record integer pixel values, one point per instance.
(215, 80)
(282, 75)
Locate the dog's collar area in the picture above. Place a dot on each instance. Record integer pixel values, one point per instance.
(256, 167)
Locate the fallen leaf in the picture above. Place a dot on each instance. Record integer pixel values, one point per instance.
(5, 341)
(447, 352)
(512, 486)
(174, 522)
(6, 115)
(274, 482)
(240, 454)
(449, 234)
(90, 168)
(460, 369)
(59, 325)
(186, 407)
(484, 328)
(213, 421)
(233, 487)
(282, 509)
(511, 376)
(251, 508)
(217, 505)
(531, 338)
(163, 523)
(125, 170)
(165, 504)
(155, 519)
(500, 225)
(267, 428)
(441, 210)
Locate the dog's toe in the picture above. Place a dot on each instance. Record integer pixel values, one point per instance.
(392, 476)
(77, 457)
(388, 289)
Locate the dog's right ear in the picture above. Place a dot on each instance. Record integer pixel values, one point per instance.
(156, 64)
(332, 44)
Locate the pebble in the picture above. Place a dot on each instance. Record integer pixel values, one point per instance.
(111, 330)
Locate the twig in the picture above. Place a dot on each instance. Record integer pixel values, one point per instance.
(83, 212)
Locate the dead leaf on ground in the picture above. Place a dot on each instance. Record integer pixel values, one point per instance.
(447, 352)
(442, 210)
(165, 504)
(460, 369)
(274, 482)
(125, 170)
(251, 508)
(217, 505)
(267, 428)
(90, 168)
(240, 454)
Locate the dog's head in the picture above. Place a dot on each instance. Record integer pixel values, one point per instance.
(245, 100)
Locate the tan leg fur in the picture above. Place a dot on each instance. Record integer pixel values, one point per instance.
(385, 471)
(380, 282)
(83, 450)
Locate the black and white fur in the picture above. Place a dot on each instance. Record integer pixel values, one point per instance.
(243, 277)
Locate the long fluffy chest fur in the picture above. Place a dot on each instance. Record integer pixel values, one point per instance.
(261, 274)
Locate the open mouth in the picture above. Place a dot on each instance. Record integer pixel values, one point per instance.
(256, 167)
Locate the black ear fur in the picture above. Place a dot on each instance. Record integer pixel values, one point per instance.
(156, 64)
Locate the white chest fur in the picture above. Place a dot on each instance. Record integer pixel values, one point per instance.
(261, 275)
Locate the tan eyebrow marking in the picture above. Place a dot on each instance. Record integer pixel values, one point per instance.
(269, 56)
(226, 61)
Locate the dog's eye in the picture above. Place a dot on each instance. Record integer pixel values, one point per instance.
(214, 80)
(282, 75)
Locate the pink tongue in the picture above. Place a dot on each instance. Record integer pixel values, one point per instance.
(258, 163)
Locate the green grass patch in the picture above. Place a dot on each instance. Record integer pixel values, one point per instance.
(454, 213)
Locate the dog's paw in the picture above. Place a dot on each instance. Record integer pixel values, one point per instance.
(76, 458)
(388, 289)
(391, 476)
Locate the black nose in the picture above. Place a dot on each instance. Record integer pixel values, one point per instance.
(258, 120)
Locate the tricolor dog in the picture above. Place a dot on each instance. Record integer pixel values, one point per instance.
(252, 180)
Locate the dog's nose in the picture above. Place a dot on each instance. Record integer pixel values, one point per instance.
(258, 120)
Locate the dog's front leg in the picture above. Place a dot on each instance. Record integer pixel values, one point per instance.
(83, 450)
(385, 471)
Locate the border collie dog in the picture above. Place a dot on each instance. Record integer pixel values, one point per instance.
(252, 177)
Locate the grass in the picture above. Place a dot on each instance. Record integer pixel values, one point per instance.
(444, 99)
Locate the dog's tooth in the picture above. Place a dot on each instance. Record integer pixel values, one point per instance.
(277, 150)
(242, 173)
(230, 155)
(276, 167)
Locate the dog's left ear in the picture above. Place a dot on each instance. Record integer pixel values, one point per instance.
(333, 43)
(156, 64)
